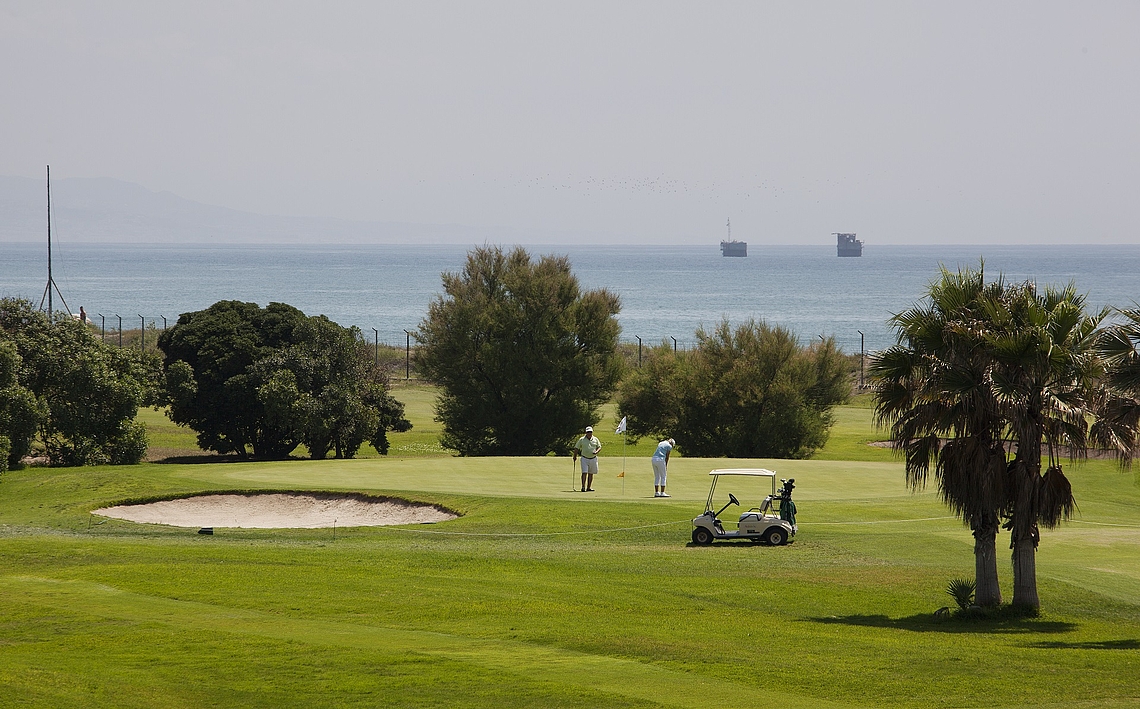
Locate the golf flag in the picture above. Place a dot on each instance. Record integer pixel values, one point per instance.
(621, 426)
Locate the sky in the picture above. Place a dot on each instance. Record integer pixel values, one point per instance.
(625, 122)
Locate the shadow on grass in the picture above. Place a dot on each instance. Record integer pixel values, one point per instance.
(216, 458)
(1132, 644)
(927, 623)
(200, 458)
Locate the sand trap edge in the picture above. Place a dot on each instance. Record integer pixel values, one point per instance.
(319, 510)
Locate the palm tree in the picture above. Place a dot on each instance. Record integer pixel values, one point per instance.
(1046, 375)
(934, 385)
(1118, 410)
(999, 367)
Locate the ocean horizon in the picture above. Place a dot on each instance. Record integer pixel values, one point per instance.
(667, 292)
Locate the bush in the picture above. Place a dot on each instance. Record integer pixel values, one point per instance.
(749, 393)
(962, 591)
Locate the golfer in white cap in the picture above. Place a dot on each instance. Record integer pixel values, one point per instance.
(660, 462)
(588, 447)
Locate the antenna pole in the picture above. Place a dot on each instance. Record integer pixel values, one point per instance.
(50, 282)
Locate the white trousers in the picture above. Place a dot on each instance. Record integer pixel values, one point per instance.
(589, 465)
(658, 472)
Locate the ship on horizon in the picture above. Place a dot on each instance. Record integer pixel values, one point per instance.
(848, 245)
(733, 247)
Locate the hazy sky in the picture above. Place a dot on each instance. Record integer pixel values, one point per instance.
(907, 122)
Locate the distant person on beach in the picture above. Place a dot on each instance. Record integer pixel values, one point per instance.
(588, 447)
(82, 315)
(660, 462)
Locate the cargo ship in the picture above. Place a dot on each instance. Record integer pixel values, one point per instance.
(848, 245)
(732, 247)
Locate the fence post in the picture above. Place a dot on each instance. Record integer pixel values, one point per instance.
(408, 356)
(860, 359)
(674, 339)
(142, 334)
(103, 329)
(120, 317)
(638, 352)
(375, 346)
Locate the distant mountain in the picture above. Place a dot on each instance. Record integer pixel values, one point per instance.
(102, 209)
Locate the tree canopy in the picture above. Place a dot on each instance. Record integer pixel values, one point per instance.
(752, 392)
(63, 389)
(523, 357)
(266, 380)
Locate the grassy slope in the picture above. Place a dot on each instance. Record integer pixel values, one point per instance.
(528, 600)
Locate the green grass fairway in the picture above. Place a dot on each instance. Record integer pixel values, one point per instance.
(542, 597)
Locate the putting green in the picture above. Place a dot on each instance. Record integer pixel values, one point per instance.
(558, 478)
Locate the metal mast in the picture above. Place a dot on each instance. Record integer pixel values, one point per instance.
(50, 281)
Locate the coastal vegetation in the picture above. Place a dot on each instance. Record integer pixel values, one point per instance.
(749, 392)
(67, 396)
(263, 381)
(522, 355)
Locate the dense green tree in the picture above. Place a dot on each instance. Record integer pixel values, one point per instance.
(78, 395)
(265, 380)
(752, 392)
(523, 357)
(20, 414)
(18, 422)
(326, 387)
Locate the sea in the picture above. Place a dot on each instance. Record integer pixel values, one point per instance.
(667, 292)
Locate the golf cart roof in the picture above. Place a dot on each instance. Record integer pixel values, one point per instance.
(756, 472)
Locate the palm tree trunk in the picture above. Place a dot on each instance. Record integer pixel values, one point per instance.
(1026, 476)
(988, 591)
(1025, 573)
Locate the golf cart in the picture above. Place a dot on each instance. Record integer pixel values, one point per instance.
(774, 521)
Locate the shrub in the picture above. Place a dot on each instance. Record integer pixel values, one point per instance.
(962, 591)
(753, 392)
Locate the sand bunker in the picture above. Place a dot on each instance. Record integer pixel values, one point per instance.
(279, 511)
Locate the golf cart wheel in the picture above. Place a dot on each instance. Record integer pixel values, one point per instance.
(702, 536)
(776, 536)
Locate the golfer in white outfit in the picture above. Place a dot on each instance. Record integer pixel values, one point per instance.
(588, 447)
(660, 462)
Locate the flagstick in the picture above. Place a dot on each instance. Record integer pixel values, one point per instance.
(624, 438)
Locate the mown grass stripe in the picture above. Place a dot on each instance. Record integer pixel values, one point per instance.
(537, 662)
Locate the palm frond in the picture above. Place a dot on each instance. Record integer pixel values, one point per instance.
(1055, 498)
